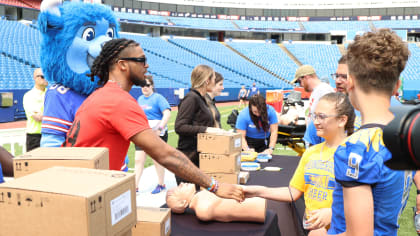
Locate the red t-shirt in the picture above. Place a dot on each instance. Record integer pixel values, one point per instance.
(109, 117)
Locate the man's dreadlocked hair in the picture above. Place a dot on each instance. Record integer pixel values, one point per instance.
(108, 57)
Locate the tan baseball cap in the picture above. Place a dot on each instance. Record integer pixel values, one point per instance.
(302, 71)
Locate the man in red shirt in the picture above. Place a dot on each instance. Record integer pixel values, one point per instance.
(110, 117)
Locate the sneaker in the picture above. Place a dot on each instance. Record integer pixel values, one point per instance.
(416, 220)
(158, 189)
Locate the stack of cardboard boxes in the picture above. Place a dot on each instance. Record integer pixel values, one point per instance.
(50, 197)
(220, 156)
(69, 201)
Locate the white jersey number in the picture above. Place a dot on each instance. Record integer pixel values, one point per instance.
(354, 162)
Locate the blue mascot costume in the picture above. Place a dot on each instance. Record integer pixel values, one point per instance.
(72, 36)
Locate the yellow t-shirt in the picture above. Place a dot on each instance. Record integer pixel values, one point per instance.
(314, 176)
(33, 101)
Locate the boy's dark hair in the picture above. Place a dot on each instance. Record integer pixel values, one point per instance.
(376, 60)
(108, 57)
(260, 122)
(343, 107)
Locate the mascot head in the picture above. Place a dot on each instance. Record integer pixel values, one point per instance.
(72, 36)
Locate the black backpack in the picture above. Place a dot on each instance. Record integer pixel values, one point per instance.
(231, 120)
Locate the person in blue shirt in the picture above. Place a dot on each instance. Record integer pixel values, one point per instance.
(253, 91)
(6, 164)
(242, 97)
(158, 112)
(369, 197)
(258, 125)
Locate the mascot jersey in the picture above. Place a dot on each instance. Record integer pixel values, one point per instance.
(60, 107)
(360, 161)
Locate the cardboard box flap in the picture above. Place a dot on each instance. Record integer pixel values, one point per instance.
(226, 133)
(70, 181)
(64, 153)
(151, 214)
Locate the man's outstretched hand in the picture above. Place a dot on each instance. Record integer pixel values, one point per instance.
(231, 191)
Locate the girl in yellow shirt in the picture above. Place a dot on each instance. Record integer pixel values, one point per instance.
(314, 177)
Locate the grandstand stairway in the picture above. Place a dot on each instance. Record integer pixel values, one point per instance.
(371, 25)
(290, 54)
(256, 64)
(342, 48)
(169, 20)
(236, 25)
(302, 27)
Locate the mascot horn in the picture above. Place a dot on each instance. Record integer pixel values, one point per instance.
(72, 34)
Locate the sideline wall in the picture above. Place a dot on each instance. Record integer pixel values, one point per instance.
(16, 112)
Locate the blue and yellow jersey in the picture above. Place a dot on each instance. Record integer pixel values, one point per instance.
(360, 161)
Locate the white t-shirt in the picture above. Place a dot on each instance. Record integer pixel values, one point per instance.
(317, 93)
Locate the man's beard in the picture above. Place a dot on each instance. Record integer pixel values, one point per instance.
(137, 81)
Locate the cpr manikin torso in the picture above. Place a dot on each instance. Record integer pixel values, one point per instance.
(208, 206)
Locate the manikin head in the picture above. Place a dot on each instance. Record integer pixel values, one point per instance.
(179, 198)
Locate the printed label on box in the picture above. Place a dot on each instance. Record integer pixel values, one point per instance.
(237, 142)
(167, 226)
(120, 207)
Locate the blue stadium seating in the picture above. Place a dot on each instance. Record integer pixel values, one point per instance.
(323, 57)
(20, 42)
(19, 54)
(15, 75)
(202, 23)
(280, 25)
(397, 24)
(221, 55)
(171, 61)
(268, 55)
(412, 68)
(327, 26)
(152, 19)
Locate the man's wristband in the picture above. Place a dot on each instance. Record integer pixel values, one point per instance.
(418, 191)
(214, 185)
(271, 148)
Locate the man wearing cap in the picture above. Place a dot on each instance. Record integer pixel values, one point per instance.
(307, 78)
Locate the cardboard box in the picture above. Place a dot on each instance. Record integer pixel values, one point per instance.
(243, 177)
(69, 201)
(223, 143)
(44, 158)
(220, 163)
(230, 178)
(152, 221)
